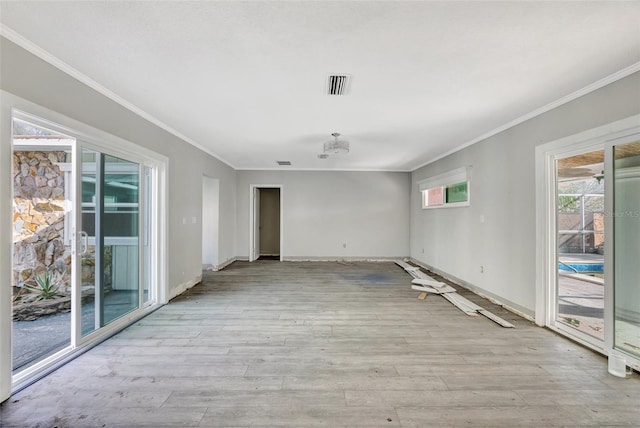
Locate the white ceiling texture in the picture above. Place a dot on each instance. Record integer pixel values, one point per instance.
(246, 81)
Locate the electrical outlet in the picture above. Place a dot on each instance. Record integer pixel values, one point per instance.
(481, 269)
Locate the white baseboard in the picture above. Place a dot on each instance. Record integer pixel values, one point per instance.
(327, 259)
(340, 259)
(181, 288)
(223, 264)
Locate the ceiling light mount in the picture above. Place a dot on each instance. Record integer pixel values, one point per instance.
(336, 146)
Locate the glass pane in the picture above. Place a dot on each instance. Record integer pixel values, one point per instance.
(627, 247)
(457, 193)
(435, 196)
(580, 242)
(110, 265)
(120, 228)
(41, 264)
(24, 131)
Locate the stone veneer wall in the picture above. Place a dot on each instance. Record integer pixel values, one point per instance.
(38, 217)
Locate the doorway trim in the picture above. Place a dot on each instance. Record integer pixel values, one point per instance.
(253, 221)
(210, 222)
(600, 137)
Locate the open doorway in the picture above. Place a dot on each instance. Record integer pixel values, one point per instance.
(210, 222)
(266, 223)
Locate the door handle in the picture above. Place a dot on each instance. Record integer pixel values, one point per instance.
(85, 242)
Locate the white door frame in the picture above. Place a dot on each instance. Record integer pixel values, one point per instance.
(603, 137)
(254, 220)
(210, 221)
(255, 216)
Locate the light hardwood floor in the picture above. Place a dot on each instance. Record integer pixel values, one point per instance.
(326, 344)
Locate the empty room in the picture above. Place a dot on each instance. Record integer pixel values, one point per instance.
(319, 213)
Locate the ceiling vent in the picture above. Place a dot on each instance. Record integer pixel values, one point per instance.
(337, 84)
(284, 163)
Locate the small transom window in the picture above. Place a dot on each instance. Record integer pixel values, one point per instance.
(450, 189)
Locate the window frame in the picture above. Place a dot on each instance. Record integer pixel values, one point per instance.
(443, 182)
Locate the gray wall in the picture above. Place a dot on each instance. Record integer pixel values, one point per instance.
(456, 242)
(369, 211)
(28, 77)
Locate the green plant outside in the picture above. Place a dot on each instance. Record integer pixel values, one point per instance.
(47, 287)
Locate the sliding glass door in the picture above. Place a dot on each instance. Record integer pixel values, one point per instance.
(626, 223)
(592, 245)
(110, 238)
(85, 246)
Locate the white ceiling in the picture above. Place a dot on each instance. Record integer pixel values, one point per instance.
(247, 80)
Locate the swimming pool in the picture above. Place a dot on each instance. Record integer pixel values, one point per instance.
(597, 267)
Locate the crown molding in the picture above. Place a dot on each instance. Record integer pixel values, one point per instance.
(46, 56)
(618, 75)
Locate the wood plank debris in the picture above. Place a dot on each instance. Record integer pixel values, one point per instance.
(425, 284)
(428, 282)
(445, 289)
(493, 317)
(403, 265)
(460, 305)
(425, 289)
(422, 296)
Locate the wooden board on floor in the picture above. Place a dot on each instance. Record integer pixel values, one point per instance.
(423, 282)
(493, 317)
(429, 282)
(450, 297)
(404, 265)
(445, 289)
